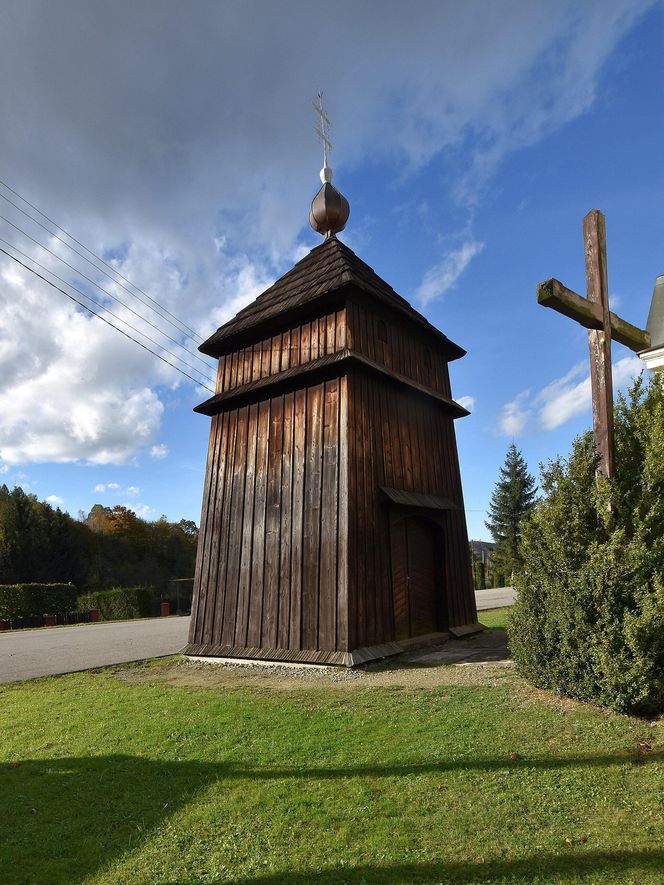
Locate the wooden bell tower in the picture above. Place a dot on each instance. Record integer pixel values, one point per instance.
(332, 526)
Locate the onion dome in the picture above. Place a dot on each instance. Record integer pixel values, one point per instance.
(329, 208)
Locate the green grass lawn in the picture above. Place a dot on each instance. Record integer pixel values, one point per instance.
(128, 777)
(494, 617)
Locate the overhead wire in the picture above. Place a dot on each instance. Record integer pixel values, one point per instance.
(96, 266)
(197, 381)
(90, 252)
(102, 289)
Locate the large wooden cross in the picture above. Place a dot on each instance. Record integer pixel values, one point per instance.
(603, 325)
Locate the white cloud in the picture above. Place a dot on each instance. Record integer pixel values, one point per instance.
(142, 510)
(625, 371)
(567, 397)
(202, 200)
(72, 389)
(4, 468)
(514, 415)
(159, 451)
(439, 279)
(117, 489)
(562, 399)
(468, 402)
(55, 500)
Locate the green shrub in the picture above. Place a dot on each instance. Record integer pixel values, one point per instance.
(121, 603)
(28, 600)
(589, 617)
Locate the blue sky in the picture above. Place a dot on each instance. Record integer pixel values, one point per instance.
(470, 144)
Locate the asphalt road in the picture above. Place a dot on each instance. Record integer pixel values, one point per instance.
(27, 654)
(499, 597)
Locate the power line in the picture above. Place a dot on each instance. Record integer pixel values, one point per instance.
(90, 252)
(103, 307)
(108, 322)
(96, 266)
(101, 288)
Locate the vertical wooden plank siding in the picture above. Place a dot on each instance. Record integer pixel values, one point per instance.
(305, 346)
(328, 581)
(298, 550)
(207, 511)
(342, 533)
(223, 531)
(353, 581)
(258, 554)
(235, 519)
(211, 538)
(286, 538)
(312, 511)
(273, 526)
(246, 556)
(404, 350)
(297, 529)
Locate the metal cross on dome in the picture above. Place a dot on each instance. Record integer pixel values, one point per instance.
(323, 127)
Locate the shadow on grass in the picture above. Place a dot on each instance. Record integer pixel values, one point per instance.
(65, 819)
(490, 646)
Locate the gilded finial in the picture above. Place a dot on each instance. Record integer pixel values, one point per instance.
(329, 209)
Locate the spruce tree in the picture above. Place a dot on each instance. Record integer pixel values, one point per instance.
(512, 498)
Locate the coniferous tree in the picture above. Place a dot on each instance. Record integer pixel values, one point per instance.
(512, 498)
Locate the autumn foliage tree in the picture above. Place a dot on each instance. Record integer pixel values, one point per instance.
(109, 546)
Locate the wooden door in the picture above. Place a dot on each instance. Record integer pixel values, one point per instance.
(415, 576)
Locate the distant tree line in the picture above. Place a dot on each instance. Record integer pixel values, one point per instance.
(108, 547)
(487, 571)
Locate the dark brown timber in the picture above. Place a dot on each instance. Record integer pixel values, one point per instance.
(593, 313)
(332, 523)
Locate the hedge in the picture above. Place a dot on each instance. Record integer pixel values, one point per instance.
(28, 600)
(121, 603)
(588, 621)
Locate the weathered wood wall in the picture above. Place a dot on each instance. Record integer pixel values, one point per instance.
(273, 539)
(283, 350)
(385, 338)
(295, 540)
(400, 440)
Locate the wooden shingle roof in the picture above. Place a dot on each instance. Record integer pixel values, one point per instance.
(326, 269)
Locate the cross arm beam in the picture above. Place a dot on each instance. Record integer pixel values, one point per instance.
(631, 336)
(587, 313)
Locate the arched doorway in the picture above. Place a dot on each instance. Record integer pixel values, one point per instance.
(416, 576)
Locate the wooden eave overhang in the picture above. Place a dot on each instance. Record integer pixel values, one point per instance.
(404, 498)
(326, 366)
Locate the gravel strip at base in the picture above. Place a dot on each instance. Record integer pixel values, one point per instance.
(475, 660)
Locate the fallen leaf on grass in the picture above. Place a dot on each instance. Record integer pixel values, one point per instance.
(33, 811)
(580, 841)
(514, 756)
(14, 764)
